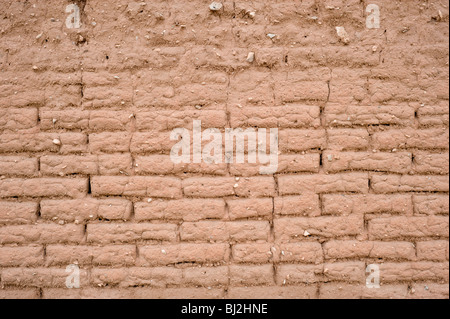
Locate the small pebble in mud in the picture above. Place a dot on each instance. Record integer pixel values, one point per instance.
(343, 35)
(215, 6)
(56, 141)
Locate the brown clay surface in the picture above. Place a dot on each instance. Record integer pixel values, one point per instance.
(85, 121)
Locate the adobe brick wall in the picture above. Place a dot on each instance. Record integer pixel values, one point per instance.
(86, 178)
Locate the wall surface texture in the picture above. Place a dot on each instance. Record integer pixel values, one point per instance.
(87, 183)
